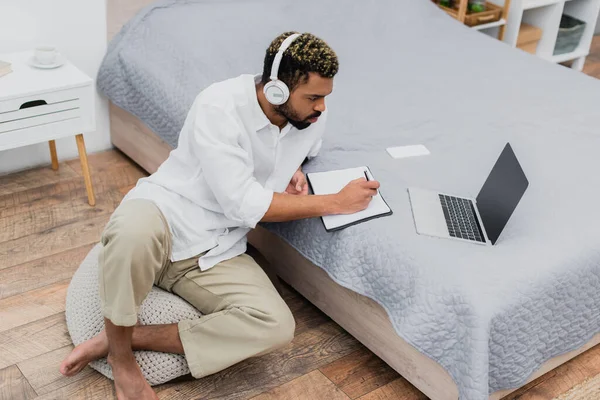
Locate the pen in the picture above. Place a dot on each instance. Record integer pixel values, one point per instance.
(367, 177)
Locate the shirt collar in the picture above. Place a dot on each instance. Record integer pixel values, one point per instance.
(260, 119)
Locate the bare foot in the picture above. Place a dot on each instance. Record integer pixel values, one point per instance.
(90, 350)
(129, 381)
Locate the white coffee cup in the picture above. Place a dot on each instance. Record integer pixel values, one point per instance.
(45, 55)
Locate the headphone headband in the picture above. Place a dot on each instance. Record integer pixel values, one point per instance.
(284, 46)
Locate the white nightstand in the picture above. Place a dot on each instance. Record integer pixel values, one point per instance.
(39, 105)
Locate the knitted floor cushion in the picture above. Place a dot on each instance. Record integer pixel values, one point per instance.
(84, 321)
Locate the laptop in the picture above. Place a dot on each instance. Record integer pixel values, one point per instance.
(480, 220)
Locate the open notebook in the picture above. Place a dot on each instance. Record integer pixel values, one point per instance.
(331, 182)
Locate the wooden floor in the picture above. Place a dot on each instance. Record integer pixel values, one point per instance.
(46, 229)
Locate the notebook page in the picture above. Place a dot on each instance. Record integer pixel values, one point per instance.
(331, 182)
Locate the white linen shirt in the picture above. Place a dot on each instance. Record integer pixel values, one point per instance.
(219, 181)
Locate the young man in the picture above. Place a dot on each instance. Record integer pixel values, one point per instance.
(238, 162)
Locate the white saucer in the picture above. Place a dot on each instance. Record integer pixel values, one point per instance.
(57, 62)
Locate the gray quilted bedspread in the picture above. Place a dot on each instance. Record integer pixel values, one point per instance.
(490, 315)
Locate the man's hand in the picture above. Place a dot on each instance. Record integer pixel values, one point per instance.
(356, 195)
(298, 184)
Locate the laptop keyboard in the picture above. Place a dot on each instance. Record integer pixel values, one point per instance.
(460, 218)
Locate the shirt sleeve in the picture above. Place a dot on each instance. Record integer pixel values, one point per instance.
(228, 168)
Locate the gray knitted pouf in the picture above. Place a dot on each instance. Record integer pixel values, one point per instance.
(84, 321)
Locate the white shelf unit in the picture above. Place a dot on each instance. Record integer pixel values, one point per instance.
(546, 14)
(490, 25)
(495, 28)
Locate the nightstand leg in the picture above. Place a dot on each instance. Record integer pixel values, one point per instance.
(86, 169)
(53, 156)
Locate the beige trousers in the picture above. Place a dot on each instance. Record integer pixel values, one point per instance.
(243, 315)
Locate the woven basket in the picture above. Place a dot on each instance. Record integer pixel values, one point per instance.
(491, 13)
(569, 34)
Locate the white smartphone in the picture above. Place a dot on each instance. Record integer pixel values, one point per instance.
(407, 151)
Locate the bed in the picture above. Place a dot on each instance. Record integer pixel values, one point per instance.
(533, 314)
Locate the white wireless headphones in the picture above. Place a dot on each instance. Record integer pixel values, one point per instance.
(276, 91)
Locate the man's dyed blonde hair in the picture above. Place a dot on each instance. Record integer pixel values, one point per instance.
(307, 53)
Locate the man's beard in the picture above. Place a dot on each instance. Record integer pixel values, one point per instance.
(291, 115)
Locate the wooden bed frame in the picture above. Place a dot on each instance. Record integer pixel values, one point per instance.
(362, 317)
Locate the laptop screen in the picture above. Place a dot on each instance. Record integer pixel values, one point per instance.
(501, 193)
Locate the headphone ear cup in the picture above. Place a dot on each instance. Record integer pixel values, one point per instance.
(276, 92)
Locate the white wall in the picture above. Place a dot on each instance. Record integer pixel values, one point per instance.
(78, 29)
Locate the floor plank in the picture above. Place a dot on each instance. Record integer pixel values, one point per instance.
(592, 64)
(399, 389)
(33, 339)
(306, 315)
(111, 170)
(103, 161)
(594, 55)
(32, 306)
(307, 352)
(41, 272)
(359, 373)
(52, 241)
(566, 376)
(43, 374)
(13, 386)
(71, 191)
(75, 209)
(37, 198)
(530, 386)
(124, 190)
(307, 387)
(32, 178)
(113, 178)
(92, 387)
